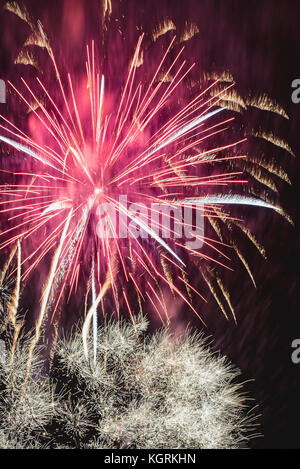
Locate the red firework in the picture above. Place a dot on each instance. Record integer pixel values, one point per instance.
(141, 153)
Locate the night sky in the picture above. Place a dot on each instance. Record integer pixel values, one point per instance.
(259, 43)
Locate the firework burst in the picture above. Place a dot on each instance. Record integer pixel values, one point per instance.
(143, 392)
(151, 145)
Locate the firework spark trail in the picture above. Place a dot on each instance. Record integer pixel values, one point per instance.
(95, 325)
(7, 264)
(45, 297)
(150, 232)
(14, 302)
(185, 129)
(90, 160)
(227, 200)
(52, 272)
(28, 151)
(91, 313)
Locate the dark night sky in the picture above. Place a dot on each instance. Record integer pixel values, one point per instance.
(259, 42)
